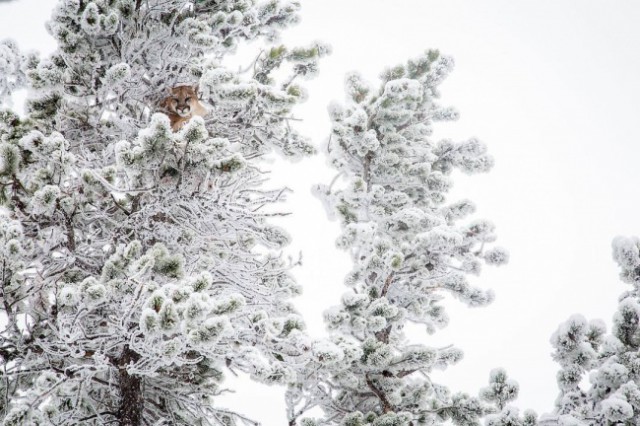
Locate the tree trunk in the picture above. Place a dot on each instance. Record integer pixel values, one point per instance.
(131, 399)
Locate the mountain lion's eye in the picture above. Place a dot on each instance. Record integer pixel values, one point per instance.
(188, 99)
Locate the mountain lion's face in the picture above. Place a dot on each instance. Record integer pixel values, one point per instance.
(181, 100)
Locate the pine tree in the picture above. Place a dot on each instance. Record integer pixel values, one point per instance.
(12, 69)
(410, 248)
(611, 361)
(137, 262)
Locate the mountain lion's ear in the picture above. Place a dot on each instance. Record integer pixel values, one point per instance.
(168, 90)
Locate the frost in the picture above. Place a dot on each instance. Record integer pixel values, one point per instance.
(12, 70)
(9, 159)
(496, 256)
(227, 304)
(325, 352)
(501, 390)
(145, 261)
(95, 294)
(90, 20)
(45, 199)
(69, 296)
(149, 321)
(352, 300)
(616, 410)
(140, 255)
(356, 87)
(118, 73)
(626, 252)
(376, 354)
(408, 249)
(609, 360)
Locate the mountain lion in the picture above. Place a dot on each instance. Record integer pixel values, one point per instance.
(181, 105)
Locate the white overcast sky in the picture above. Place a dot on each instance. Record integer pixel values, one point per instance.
(553, 88)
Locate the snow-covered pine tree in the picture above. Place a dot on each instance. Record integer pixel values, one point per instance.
(12, 69)
(409, 248)
(611, 361)
(137, 262)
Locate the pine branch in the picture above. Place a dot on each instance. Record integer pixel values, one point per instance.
(384, 401)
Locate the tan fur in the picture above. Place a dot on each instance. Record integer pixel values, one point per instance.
(181, 105)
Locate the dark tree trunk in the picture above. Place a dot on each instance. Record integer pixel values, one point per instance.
(131, 399)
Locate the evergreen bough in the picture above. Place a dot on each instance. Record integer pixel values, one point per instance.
(410, 247)
(137, 263)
